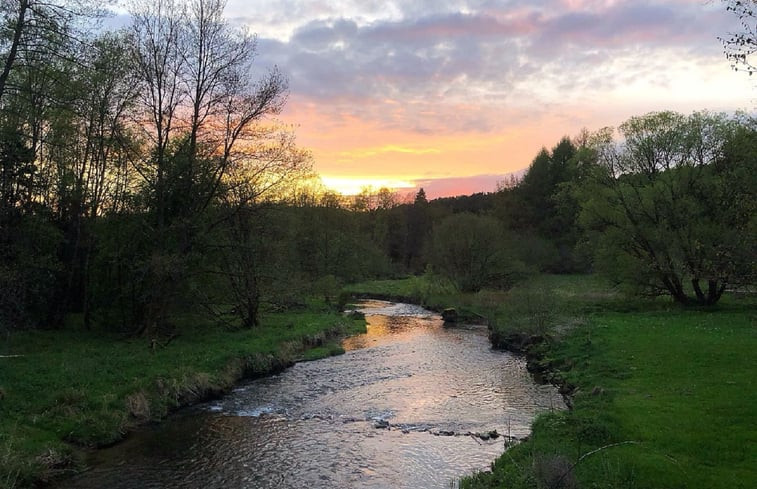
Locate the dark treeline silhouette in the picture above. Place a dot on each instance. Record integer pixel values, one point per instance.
(142, 176)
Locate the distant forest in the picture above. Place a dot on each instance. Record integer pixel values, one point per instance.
(143, 176)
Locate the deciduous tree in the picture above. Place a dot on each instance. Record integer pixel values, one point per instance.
(672, 204)
(474, 252)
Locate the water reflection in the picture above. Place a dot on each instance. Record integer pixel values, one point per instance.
(396, 410)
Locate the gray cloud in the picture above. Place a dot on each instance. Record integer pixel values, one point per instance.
(434, 53)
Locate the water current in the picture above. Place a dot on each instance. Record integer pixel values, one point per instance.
(400, 409)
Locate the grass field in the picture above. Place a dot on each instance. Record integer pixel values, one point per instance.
(60, 390)
(676, 389)
(666, 396)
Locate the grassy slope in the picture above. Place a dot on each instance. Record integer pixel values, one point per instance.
(88, 389)
(681, 385)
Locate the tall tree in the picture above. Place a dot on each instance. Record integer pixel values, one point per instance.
(156, 35)
(27, 23)
(205, 144)
(418, 229)
(90, 143)
(40, 47)
(672, 204)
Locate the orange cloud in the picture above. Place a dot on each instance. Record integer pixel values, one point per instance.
(436, 92)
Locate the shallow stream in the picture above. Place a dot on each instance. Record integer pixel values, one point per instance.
(400, 409)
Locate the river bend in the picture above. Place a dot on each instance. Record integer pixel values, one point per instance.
(400, 409)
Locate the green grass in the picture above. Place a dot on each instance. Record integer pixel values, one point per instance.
(409, 287)
(78, 388)
(668, 397)
(428, 291)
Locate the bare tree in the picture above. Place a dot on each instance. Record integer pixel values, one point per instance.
(263, 172)
(198, 92)
(212, 51)
(740, 47)
(156, 31)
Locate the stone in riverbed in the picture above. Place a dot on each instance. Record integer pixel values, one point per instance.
(450, 315)
(486, 435)
(355, 314)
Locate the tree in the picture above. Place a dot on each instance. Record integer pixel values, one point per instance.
(204, 144)
(741, 46)
(418, 228)
(672, 205)
(537, 206)
(87, 145)
(43, 120)
(473, 252)
(26, 24)
(158, 61)
(249, 244)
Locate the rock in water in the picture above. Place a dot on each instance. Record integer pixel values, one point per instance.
(450, 315)
(355, 314)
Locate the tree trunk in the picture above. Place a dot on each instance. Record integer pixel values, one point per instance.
(252, 307)
(675, 289)
(714, 291)
(698, 291)
(18, 29)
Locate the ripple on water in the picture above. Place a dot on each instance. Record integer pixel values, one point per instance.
(371, 418)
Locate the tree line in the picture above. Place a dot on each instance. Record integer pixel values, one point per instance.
(143, 176)
(664, 205)
(122, 152)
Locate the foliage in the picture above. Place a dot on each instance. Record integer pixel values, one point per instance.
(527, 309)
(157, 129)
(671, 207)
(474, 252)
(28, 268)
(542, 208)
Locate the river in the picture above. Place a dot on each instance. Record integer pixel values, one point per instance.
(400, 409)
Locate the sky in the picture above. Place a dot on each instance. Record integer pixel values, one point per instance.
(452, 95)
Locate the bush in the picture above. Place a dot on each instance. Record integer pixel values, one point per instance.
(28, 273)
(531, 309)
(474, 252)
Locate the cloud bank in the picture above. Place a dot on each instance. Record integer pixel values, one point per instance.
(410, 74)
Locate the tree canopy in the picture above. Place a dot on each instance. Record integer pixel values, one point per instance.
(672, 204)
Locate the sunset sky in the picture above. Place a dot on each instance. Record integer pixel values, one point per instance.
(451, 95)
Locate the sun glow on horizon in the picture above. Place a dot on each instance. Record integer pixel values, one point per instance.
(353, 186)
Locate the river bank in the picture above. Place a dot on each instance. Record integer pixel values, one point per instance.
(413, 403)
(64, 391)
(663, 397)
